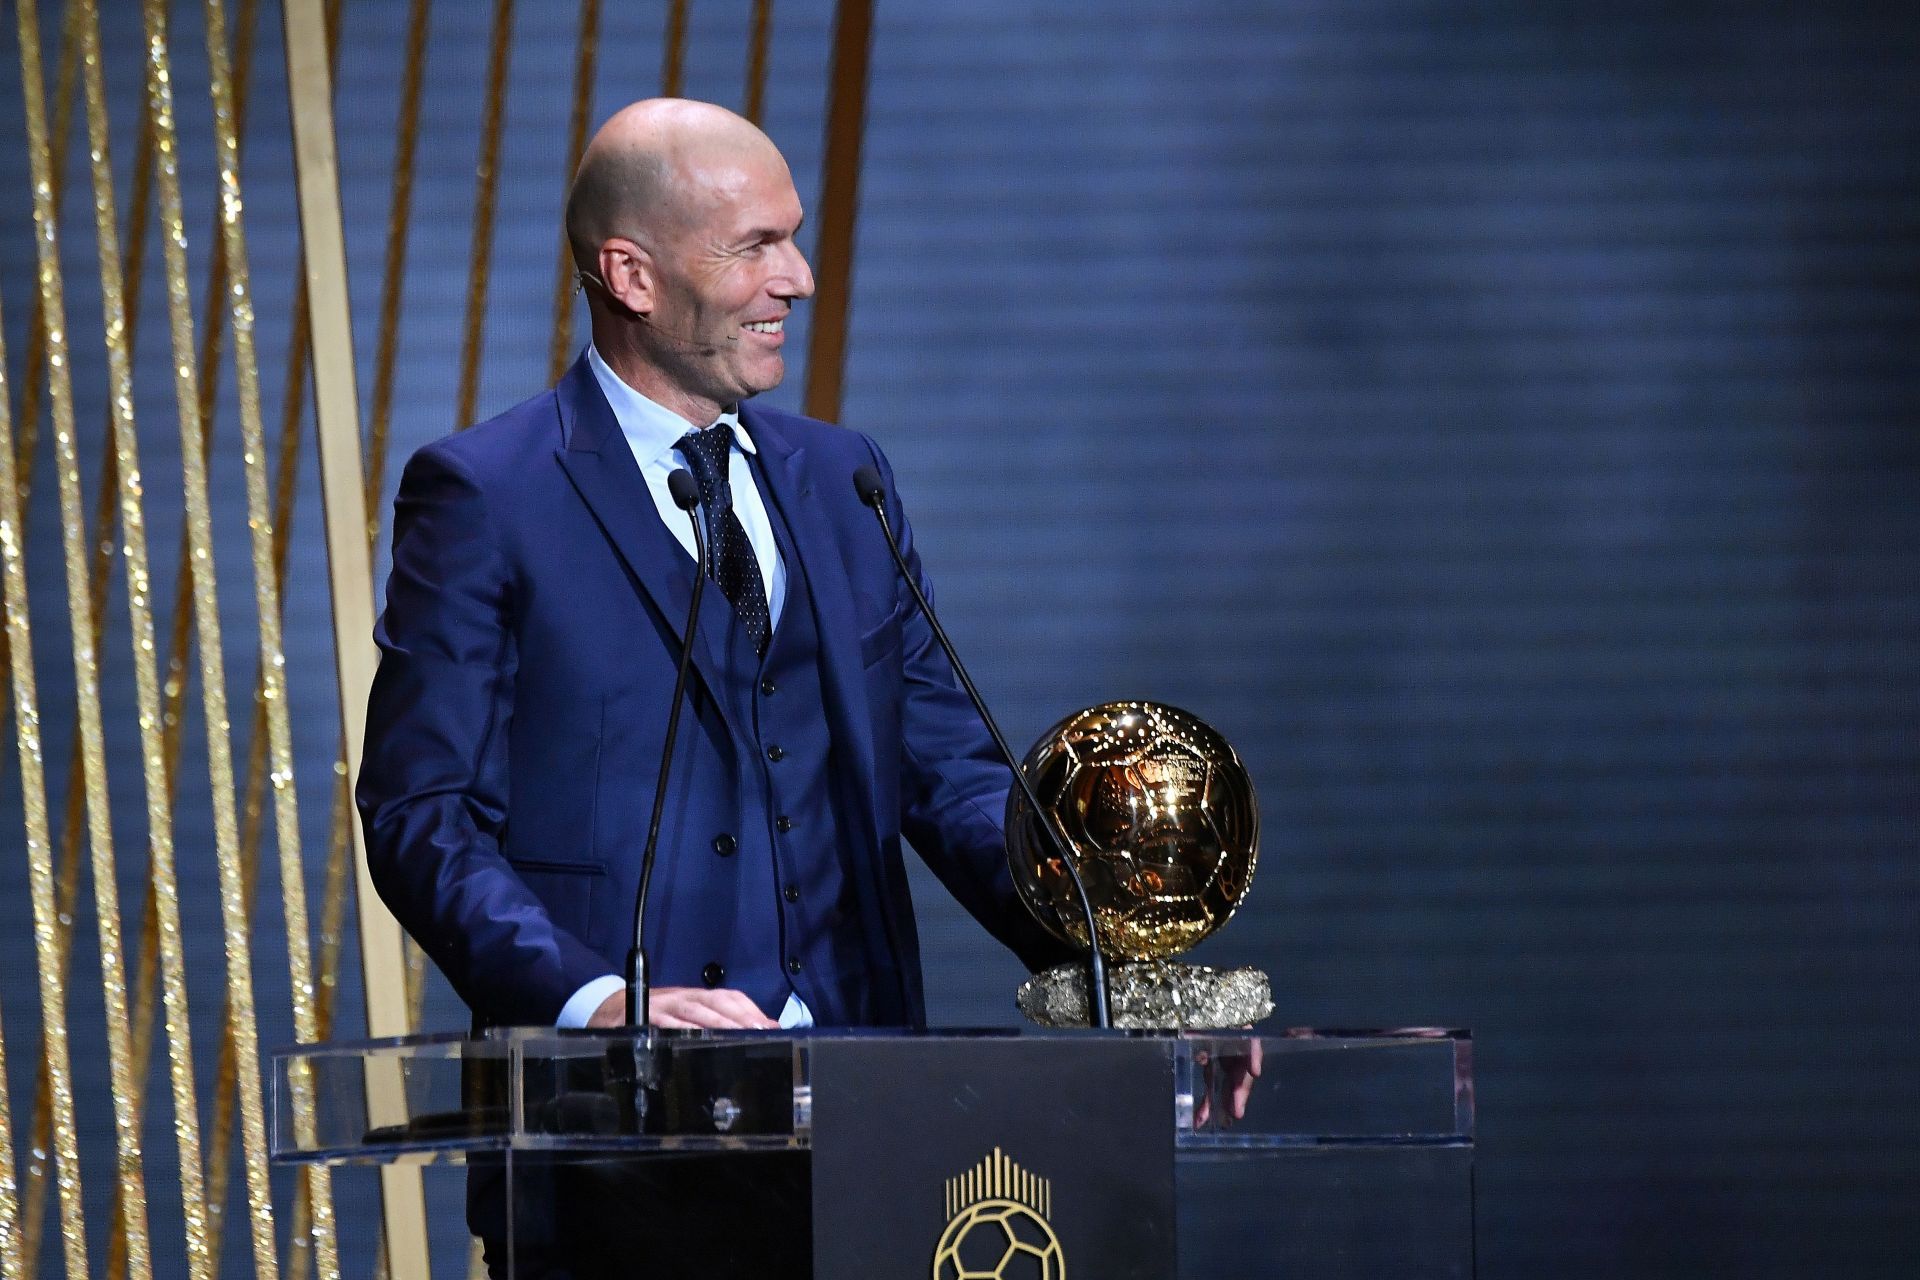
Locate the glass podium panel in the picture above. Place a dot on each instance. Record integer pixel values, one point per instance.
(1342, 1153)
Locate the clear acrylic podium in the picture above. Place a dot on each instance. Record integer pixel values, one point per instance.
(1008, 1155)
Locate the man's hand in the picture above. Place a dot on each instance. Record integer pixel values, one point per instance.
(1232, 1074)
(686, 1007)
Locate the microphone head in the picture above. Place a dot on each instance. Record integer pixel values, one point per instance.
(686, 494)
(866, 483)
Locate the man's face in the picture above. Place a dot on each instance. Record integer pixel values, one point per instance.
(727, 277)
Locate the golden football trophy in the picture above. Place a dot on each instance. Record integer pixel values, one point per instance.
(1159, 817)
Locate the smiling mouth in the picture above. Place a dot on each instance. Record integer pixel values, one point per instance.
(765, 326)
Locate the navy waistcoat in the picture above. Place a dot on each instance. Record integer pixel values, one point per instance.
(795, 925)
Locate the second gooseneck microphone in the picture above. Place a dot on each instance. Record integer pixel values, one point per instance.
(686, 496)
(873, 492)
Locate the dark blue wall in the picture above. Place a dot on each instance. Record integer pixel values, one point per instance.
(1499, 420)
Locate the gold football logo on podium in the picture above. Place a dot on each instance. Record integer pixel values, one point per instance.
(997, 1226)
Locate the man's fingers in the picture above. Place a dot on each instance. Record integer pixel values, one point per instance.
(739, 1008)
(1242, 1090)
(719, 1010)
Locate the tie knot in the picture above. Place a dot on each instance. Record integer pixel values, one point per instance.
(706, 451)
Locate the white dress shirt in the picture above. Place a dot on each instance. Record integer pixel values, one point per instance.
(652, 430)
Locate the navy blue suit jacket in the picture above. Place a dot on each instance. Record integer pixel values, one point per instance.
(516, 722)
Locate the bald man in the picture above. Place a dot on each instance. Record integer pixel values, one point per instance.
(541, 578)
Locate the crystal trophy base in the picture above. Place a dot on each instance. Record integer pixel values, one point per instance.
(1155, 995)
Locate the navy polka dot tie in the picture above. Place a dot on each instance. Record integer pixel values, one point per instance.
(730, 556)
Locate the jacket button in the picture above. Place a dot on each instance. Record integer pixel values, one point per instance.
(792, 893)
(714, 974)
(724, 845)
(767, 687)
(775, 752)
(783, 823)
(793, 964)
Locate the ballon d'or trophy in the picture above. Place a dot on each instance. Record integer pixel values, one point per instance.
(1158, 815)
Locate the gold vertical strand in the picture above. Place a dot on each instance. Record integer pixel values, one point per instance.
(350, 575)
(300, 1228)
(203, 1204)
(561, 346)
(53, 996)
(480, 259)
(30, 377)
(132, 1226)
(272, 663)
(67, 883)
(161, 904)
(33, 787)
(225, 1080)
(839, 206)
(758, 37)
(220, 1146)
(212, 662)
(393, 281)
(392, 284)
(674, 60)
(69, 863)
(393, 276)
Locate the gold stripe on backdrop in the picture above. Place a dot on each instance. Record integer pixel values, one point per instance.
(479, 261)
(392, 284)
(130, 1231)
(673, 60)
(350, 574)
(31, 376)
(839, 205)
(563, 279)
(204, 1193)
(341, 830)
(758, 37)
(393, 276)
(339, 846)
(272, 680)
(206, 611)
(33, 786)
(67, 882)
(53, 1000)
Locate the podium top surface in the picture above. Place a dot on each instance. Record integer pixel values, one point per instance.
(449, 1097)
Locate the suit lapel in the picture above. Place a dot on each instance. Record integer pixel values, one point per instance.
(790, 488)
(601, 466)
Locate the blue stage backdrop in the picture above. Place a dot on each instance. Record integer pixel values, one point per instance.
(1499, 420)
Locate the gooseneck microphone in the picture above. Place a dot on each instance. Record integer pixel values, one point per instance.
(873, 492)
(686, 496)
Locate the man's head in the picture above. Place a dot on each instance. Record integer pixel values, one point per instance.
(682, 221)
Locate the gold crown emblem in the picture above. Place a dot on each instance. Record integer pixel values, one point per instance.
(997, 1226)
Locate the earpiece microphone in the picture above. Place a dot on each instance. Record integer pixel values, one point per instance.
(705, 346)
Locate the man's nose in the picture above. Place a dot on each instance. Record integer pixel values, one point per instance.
(799, 274)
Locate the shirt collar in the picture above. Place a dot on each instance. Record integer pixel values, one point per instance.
(652, 429)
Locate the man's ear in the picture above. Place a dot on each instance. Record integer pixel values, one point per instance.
(628, 273)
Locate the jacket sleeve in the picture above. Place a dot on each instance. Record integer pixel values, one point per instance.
(433, 784)
(953, 781)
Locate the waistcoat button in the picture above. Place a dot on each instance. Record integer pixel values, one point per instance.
(793, 964)
(783, 823)
(714, 974)
(792, 893)
(724, 845)
(776, 753)
(767, 687)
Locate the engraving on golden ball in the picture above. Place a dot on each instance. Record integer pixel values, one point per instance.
(1159, 817)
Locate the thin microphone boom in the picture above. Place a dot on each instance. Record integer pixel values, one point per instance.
(686, 496)
(867, 483)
